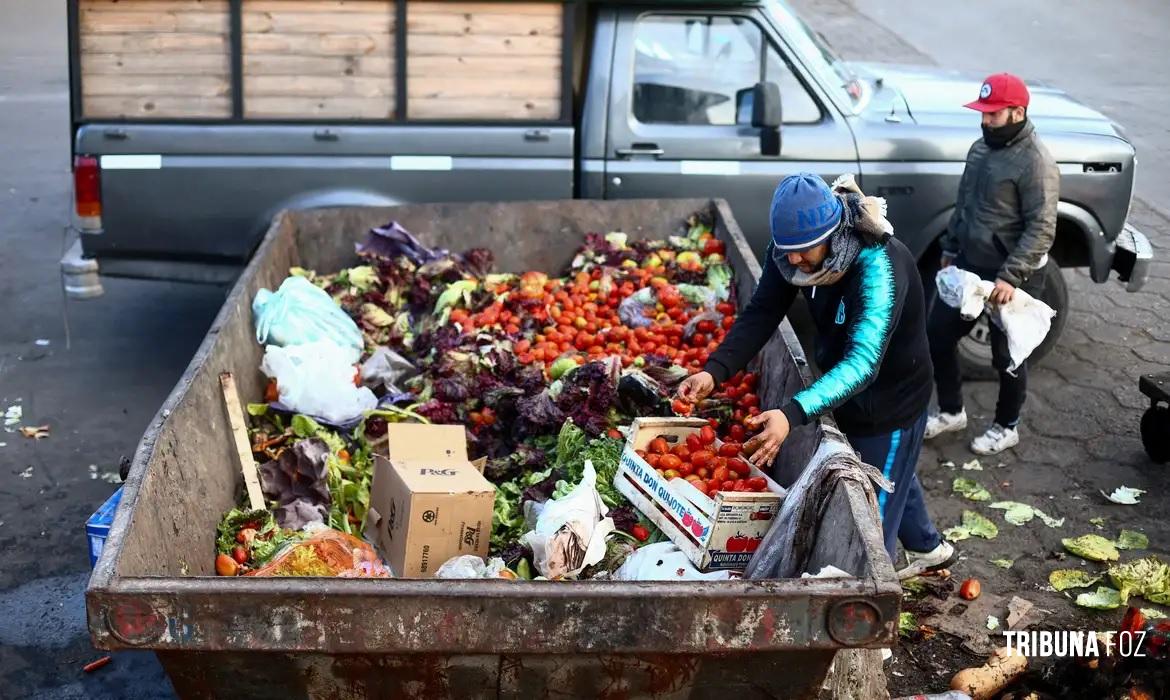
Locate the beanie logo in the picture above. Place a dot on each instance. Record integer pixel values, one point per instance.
(814, 217)
(985, 91)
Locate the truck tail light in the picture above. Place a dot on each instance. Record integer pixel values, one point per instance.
(87, 187)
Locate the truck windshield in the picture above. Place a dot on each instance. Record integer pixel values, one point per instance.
(818, 55)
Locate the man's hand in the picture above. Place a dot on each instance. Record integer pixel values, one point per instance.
(946, 261)
(1003, 293)
(764, 447)
(696, 387)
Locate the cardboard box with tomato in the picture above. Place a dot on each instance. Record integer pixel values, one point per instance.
(718, 532)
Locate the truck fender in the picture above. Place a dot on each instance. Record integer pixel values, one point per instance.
(324, 199)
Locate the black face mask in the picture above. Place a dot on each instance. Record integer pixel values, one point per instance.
(1001, 136)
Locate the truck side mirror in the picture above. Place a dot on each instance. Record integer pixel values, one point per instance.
(762, 103)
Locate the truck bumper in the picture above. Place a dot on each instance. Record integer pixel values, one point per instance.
(1132, 254)
(79, 275)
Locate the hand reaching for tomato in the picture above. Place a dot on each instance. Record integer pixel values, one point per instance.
(696, 387)
(764, 447)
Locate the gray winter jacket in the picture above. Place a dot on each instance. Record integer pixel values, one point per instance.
(1005, 214)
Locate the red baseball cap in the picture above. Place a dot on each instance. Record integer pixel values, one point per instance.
(999, 91)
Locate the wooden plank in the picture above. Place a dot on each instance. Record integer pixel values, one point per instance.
(278, 64)
(154, 5)
(154, 64)
(319, 23)
(317, 6)
(149, 85)
(129, 22)
(320, 45)
(538, 66)
(315, 86)
(151, 43)
(483, 23)
(433, 45)
(239, 429)
(472, 8)
(157, 107)
(441, 86)
(483, 108)
(308, 108)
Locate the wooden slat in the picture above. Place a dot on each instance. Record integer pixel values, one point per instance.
(238, 426)
(317, 6)
(472, 8)
(440, 86)
(309, 108)
(483, 23)
(535, 66)
(320, 23)
(319, 45)
(154, 5)
(150, 43)
(155, 107)
(92, 22)
(433, 45)
(340, 66)
(316, 86)
(142, 85)
(154, 64)
(483, 108)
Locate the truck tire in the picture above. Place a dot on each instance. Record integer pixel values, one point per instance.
(975, 349)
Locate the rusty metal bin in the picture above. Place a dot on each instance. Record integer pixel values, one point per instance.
(154, 586)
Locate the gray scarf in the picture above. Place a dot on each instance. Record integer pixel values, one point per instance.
(863, 223)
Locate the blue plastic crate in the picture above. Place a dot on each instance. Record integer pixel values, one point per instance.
(97, 528)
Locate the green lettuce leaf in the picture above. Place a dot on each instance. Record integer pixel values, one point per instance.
(1105, 598)
(1148, 577)
(970, 489)
(1132, 540)
(1092, 547)
(1063, 579)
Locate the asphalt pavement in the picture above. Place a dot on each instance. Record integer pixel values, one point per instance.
(95, 372)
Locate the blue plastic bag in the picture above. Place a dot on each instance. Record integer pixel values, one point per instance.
(301, 312)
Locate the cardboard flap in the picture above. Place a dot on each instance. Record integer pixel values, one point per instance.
(437, 444)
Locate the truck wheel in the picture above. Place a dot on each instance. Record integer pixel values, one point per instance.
(1156, 433)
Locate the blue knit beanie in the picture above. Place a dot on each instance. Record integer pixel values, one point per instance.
(804, 213)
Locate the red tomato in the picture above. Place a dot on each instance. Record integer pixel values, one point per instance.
(668, 462)
(693, 443)
(750, 379)
(749, 401)
(739, 467)
(706, 327)
(728, 322)
(736, 432)
(758, 483)
(682, 452)
(730, 449)
(658, 446)
(681, 407)
(725, 308)
(699, 340)
(728, 485)
(720, 474)
(740, 485)
(713, 486)
(640, 453)
(707, 435)
(685, 469)
(702, 458)
(703, 472)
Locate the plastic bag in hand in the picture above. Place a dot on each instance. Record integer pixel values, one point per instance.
(963, 290)
(317, 379)
(301, 312)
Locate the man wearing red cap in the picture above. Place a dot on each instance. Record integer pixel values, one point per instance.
(1002, 228)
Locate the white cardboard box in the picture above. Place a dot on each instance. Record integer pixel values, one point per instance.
(715, 533)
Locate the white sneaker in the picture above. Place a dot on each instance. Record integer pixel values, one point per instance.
(939, 423)
(995, 440)
(940, 557)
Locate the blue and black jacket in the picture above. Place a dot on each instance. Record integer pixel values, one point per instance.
(871, 342)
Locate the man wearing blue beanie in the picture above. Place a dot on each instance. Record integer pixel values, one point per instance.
(835, 246)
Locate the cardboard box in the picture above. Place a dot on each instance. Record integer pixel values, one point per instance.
(719, 533)
(97, 528)
(428, 503)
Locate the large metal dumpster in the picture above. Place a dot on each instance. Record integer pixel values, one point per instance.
(154, 587)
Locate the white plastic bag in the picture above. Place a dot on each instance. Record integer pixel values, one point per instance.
(470, 566)
(963, 290)
(664, 561)
(570, 532)
(301, 312)
(317, 379)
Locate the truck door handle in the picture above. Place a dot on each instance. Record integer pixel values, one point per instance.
(536, 135)
(116, 134)
(641, 149)
(326, 135)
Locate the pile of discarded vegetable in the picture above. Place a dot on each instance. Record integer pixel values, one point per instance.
(541, 370)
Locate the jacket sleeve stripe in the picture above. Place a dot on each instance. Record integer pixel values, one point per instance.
(868, 336)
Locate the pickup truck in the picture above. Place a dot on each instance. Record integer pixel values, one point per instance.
(196, 121)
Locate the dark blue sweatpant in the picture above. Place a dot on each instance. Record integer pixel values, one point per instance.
(903, 512)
